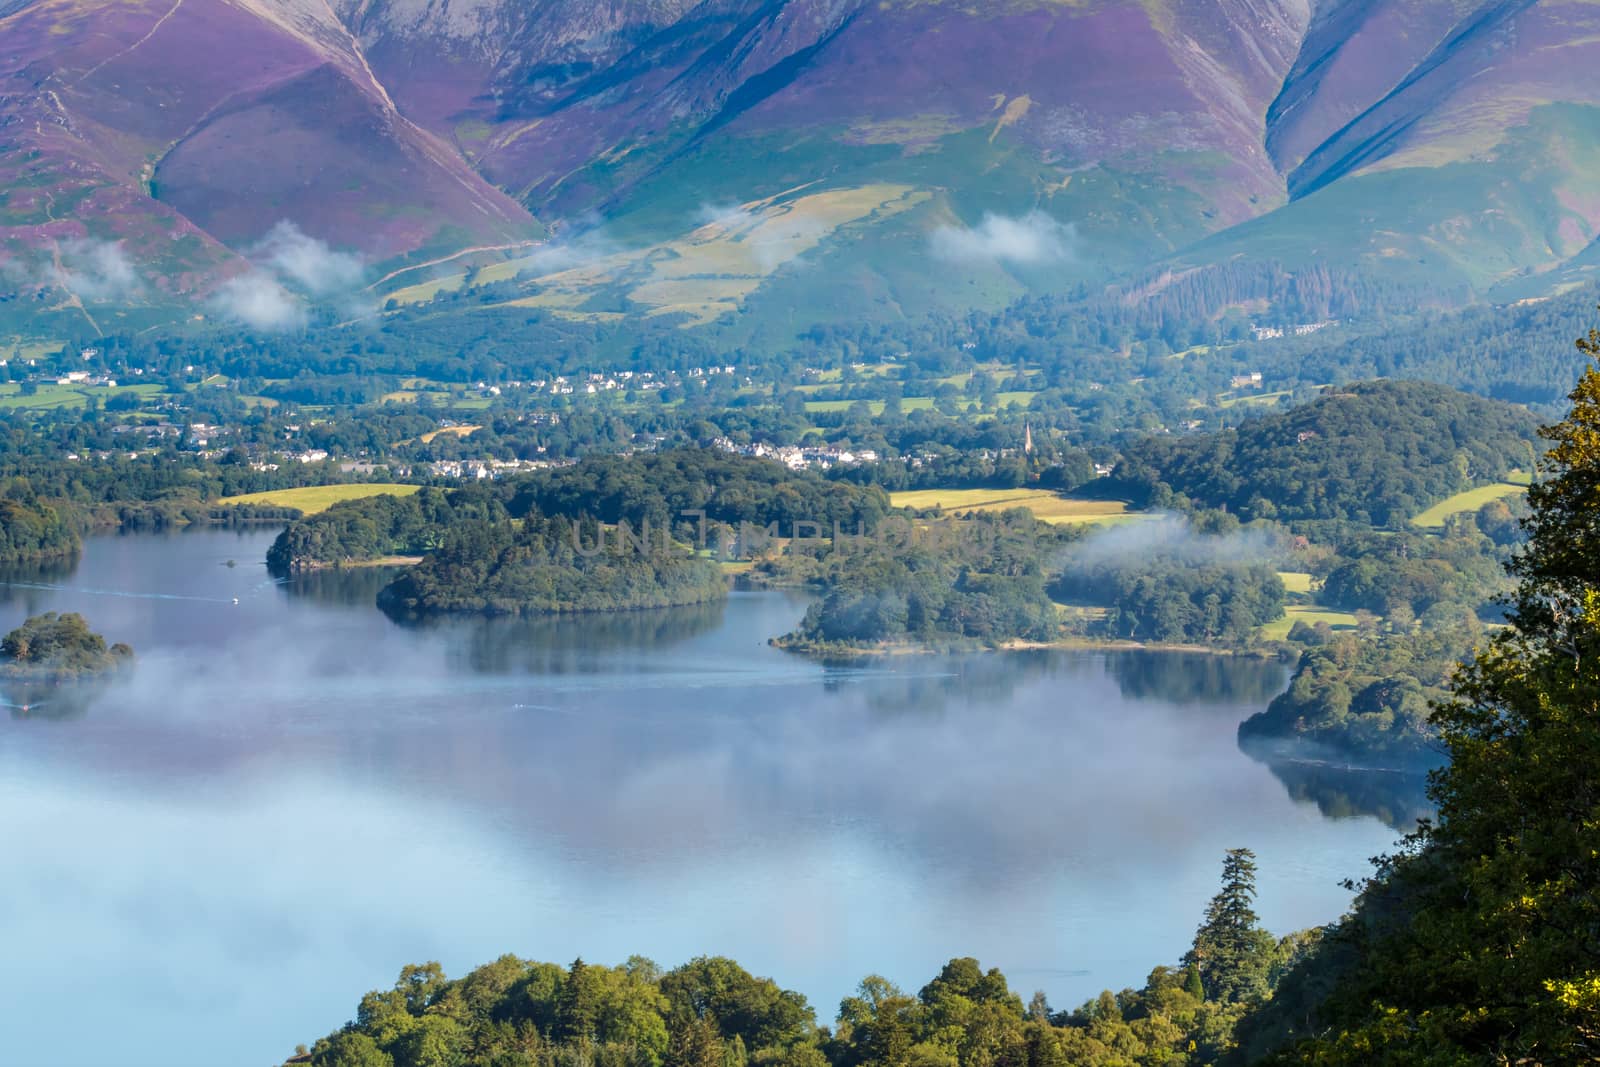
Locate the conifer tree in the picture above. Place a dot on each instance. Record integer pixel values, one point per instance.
(1231, 951)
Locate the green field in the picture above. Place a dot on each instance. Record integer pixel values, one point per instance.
(51, 396)
(1046, 506)
(315, 498)
(1471, 500)
(1310, 615)
(910, 403)
(1296, 581)
(1252, 398)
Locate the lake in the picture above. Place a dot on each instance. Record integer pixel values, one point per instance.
(293, 796)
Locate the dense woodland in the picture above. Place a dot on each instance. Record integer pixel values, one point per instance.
(682, 487)
(377, 527)
(32, 531)
(1375, 453)
(1475, 942)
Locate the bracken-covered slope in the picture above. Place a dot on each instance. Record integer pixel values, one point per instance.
(924, 152)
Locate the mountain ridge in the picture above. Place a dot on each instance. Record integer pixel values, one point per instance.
(1116, 135)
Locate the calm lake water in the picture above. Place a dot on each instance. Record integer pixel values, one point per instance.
(294, 796)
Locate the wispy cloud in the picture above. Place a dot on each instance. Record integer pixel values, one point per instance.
(770, 238)
(260, 301)
(1024, 240)
(585, 248)
(308, 263)
(96, 270)
(1171, 537)
(291, 270)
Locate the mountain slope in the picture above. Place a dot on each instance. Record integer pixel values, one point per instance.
(186, 130)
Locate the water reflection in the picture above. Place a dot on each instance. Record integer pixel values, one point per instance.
(1196, 677)
(1397, 798)
(340, 585)
(51, 701)
(567, 644)
(30, 585)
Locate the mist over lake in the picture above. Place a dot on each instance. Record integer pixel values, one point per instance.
(293, 796)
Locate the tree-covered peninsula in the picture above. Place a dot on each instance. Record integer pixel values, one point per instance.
(1364, 700)
(33, 531)
(52, 647)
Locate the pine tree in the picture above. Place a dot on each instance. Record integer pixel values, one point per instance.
(579, 1008)
(1231, 951)
(695, 1042)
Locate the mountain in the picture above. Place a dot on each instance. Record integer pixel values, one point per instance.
(867, 157)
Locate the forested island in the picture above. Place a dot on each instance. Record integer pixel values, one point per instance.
(551, 566)
(59, 647)
(1166, 598)
(979, 579)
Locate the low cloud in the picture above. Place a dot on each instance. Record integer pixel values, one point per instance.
(290, 269)
(90, 269)
(96, 270)
(1024, 240)
(1171, 537)
(308, 263)
(586, 248)
(260, 301)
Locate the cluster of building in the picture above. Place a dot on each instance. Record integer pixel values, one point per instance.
(80, 377)
(607, 381)
(1268, 333)
(475, 469)
(797, 458)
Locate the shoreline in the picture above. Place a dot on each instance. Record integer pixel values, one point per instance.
(312, 566)
(1065, 644)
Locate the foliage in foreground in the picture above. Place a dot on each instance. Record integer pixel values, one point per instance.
(1480, 941)
(710, 1012)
